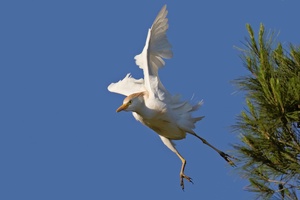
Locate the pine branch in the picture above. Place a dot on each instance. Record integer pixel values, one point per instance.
(270, 151)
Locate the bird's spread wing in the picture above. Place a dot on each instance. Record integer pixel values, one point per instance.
(127, 86)
(156, 48)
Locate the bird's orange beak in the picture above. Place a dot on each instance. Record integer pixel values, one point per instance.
(122, 107)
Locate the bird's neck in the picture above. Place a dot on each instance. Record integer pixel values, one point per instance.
(143, 110)
(146, 110)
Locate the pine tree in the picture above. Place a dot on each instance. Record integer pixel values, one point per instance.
(269, 127)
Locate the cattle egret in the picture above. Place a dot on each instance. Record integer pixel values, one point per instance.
(150, 102)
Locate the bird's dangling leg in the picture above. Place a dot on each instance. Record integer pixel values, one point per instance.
(181, 174)
(171, 146)
(224, 155)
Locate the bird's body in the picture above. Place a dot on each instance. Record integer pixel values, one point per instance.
(171, 120)
(149, 101)
(162, 122)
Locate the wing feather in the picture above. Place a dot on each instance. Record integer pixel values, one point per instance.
(127, 86)
(150, 60)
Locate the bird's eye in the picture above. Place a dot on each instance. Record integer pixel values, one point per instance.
(129, 102)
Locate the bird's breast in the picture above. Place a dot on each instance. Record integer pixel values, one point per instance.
(162, 125)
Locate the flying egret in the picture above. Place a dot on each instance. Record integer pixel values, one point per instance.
(150, 102)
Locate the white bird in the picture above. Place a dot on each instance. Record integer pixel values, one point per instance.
(149, 101)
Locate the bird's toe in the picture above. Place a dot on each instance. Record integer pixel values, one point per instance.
(183, 176)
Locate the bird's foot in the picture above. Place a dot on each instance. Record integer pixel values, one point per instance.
(227, 158)
(182, 176)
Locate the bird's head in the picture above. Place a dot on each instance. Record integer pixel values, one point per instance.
(132, 102)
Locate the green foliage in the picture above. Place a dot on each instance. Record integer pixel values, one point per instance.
(269, 154)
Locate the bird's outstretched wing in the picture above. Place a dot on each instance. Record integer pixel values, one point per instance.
(150, 60)
(127, 86)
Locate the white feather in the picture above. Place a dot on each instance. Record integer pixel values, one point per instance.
(150, 60)
(127, 86)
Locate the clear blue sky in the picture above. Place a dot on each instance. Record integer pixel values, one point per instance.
(60, 137)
